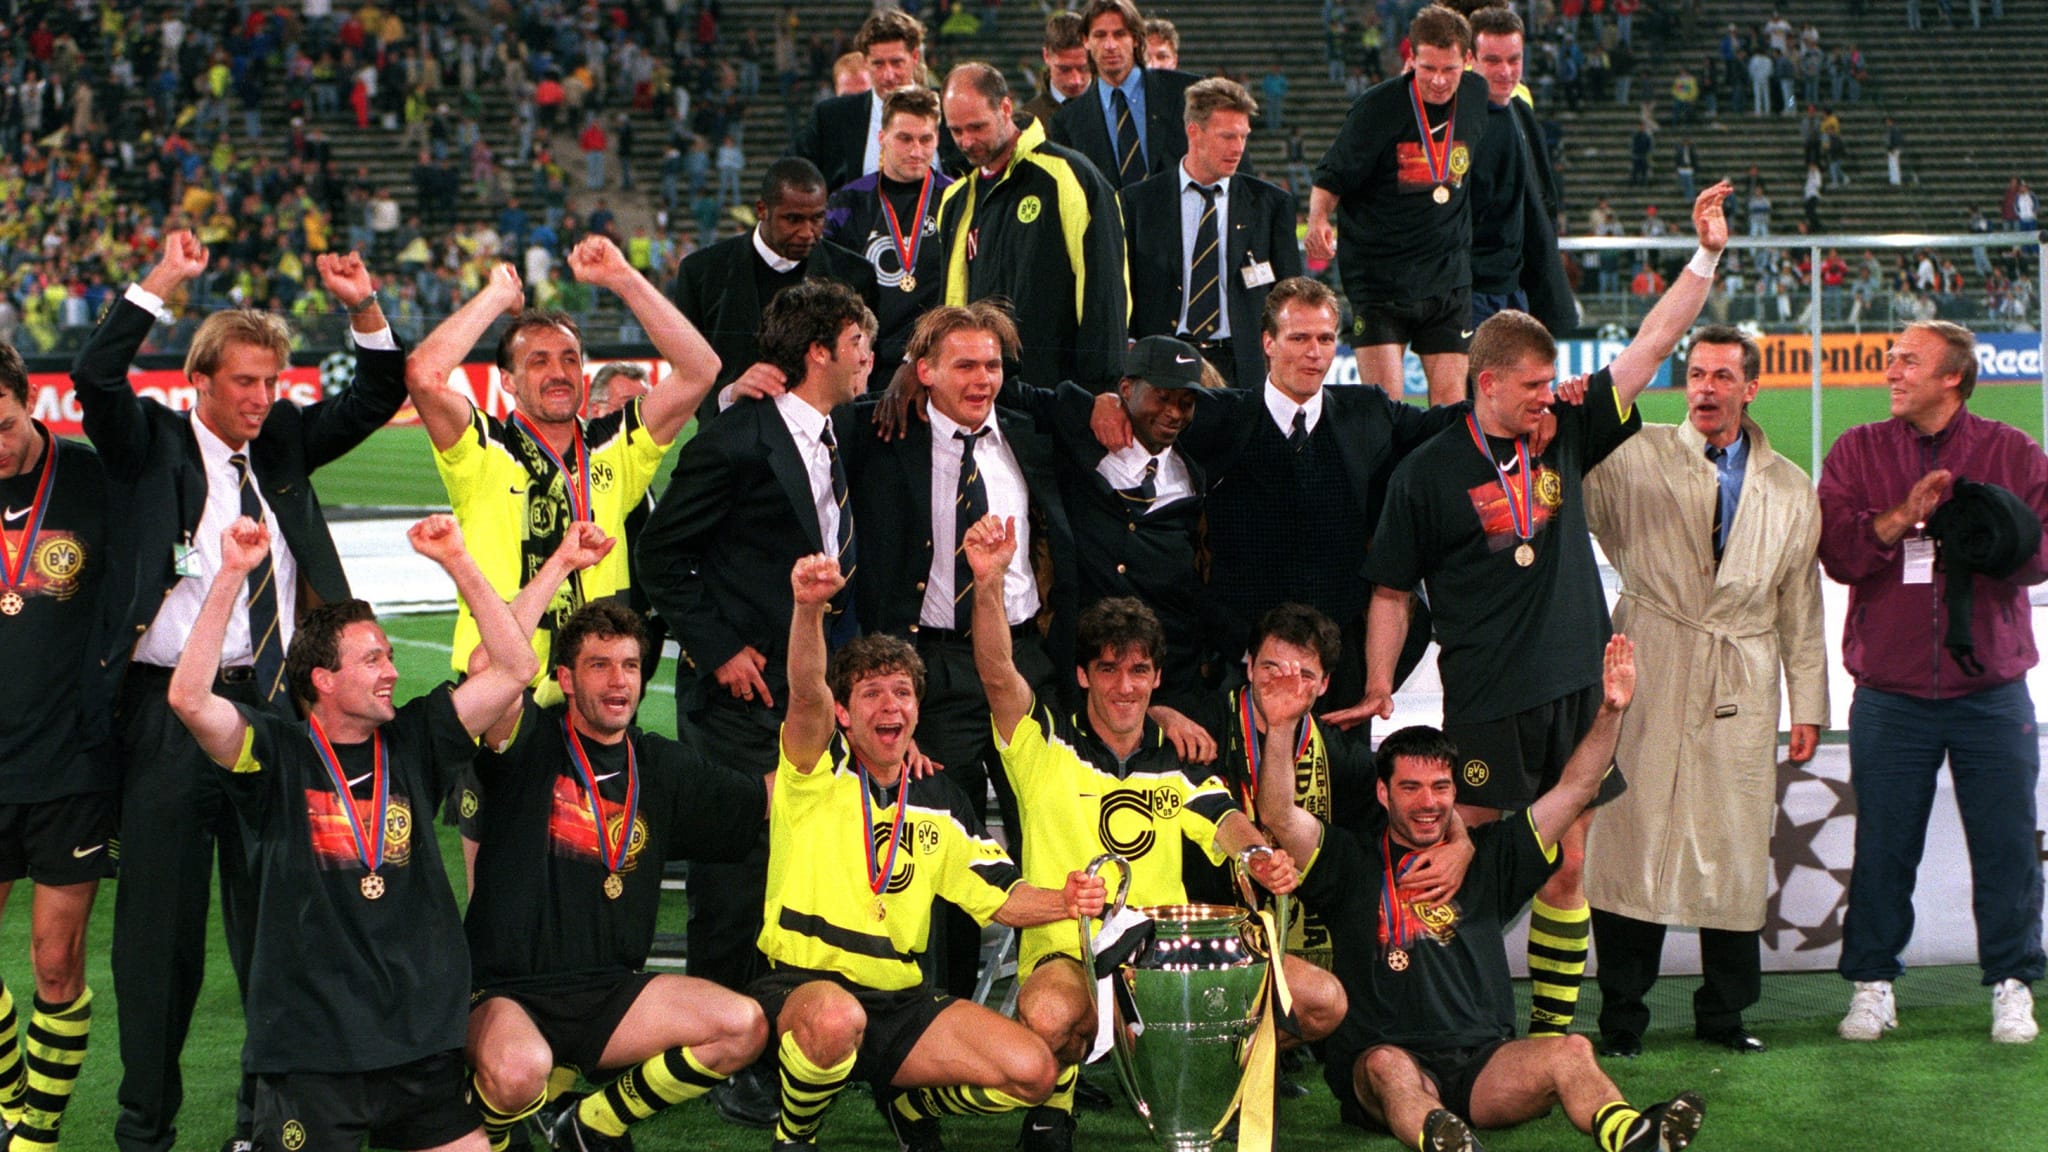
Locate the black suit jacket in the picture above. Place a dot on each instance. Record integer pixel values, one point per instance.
(715, 288)
(836, 140)
(717, 552)
(157, 477)
(1543, 278)
(1080, 124)
(1259, 228)
(892, 502)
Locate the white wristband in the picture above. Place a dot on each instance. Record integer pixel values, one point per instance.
(1703, 263)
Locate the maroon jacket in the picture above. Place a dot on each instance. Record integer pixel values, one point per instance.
(1893, 637)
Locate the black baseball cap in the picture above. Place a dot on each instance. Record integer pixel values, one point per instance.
(1164, 362)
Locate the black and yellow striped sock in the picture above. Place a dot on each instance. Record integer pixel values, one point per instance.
(661, 1081)
(1062, 1098)
(1557, 965)
(499, 1122)
(13, 1075)
(1611, 1124)
(57, 1036)
(807, 1090)
(955, 1100)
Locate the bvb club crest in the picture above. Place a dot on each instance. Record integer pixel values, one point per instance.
(1461, 161)
(1475, 773)
(1028, 209)
(1549, 489)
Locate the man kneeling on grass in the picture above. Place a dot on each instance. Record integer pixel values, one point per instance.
(857, 850)
(359, 981)
(1427, 1051)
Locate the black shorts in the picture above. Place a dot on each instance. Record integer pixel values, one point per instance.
(1509, 762)
(1429, 326)
(896, 1020)
(1453, 1070)
(68, 840)
(576, 1016)
(418, 1105)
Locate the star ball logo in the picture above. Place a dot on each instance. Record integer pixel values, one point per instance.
(1812, 847)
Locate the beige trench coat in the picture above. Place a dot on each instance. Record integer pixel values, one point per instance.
(1689, 842)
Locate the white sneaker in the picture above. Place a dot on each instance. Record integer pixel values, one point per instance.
(2012, 1013)
(1872, 1011)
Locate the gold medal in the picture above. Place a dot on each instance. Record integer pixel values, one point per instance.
(881, 910)
(12, 603)
(1442, 195)
(909, 283)
(1397, 959)
(613, 886)
(1525, 554)
(373, 887)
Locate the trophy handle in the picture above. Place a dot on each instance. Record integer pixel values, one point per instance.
(1283, 904)
(1116, 906)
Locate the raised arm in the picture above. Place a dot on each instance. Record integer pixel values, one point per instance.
(807, 725)
(1555, 810)
(483, 698)
(442, 409)
(583, 545)
(115, 417)
(213, 722)
(990, 545)
(693, 366)
(350, 284)
(1681, 304)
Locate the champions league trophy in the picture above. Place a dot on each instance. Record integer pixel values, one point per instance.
(1192, 1009)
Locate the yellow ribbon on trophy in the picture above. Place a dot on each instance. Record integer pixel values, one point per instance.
(1253, 1104)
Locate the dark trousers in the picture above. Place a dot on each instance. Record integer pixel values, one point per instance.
(954, 728)
(175, 818)
(726, 898)
(1896, 747)
(1631, 953)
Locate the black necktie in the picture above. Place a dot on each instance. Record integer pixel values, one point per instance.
(1145, 491)
(1130, 159)
(842, 627)
(969, 505)
(1298, 439)
(1714, 454)
(1206, 298)
(264, 642)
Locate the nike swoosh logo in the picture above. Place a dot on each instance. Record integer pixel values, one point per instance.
(518, 491)
(1176, 360)
(12, 515)
(1466, 333)
(82, 853)
(605, 777)
(359, 779)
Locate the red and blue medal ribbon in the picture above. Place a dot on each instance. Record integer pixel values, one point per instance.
(880, 869)
(14, 564)
(1254, 748)
(1523, 510)
(369, 842)
(611, 853)
(577, 482)
(906, 253)
(1438, 159)
(1394, 932)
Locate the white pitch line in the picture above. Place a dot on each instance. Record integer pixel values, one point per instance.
(665, 689)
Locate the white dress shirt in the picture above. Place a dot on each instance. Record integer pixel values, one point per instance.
(1007, 497)
(1283, 409)
(807, 427)
(1191, 209)
(776, 260)
(1125, 469)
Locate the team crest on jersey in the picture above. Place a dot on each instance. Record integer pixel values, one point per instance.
(572, 832)
(334, 842)
(1028, 209)
(1549, 489)
(927, 837)
(1165, 803)
(293, 1136)
(1461, 160)
(1475, 772)
(469, 804)
(398, 833)
(59, 560)
(602, 475)
(1125, 823)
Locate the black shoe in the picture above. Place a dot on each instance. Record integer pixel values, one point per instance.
(911, 1135)
(1047, 1130)
(231, 1144)
(1667, 1127)
(750, 1098)
(1444, 1131)
(1286, 1088)
(1090, 1095)
(1736, 1039)
(569, 1134)
(1621, 1045)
